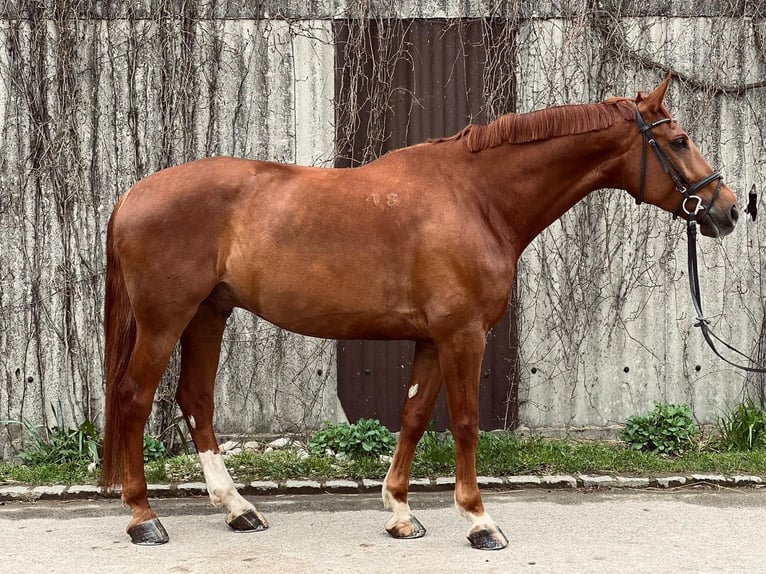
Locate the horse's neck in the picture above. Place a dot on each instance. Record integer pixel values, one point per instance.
(537, 183)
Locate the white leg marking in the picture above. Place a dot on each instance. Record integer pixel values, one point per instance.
(220, 486)
(478, 521)
(400, 511)
(413, 390)
(192, 422)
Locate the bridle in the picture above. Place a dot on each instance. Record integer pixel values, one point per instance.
(683, 185)
(693, 212)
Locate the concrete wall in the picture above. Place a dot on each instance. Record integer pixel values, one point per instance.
(607, 320)
(88, 107)
(90, 104)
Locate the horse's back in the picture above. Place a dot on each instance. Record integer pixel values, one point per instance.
(215, 181)
(195, 202)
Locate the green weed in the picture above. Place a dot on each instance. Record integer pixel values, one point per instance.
(668, 429)
(367, 437)
(743, 428)
(59, 445)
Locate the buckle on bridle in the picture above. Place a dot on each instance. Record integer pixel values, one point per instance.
(698, 207)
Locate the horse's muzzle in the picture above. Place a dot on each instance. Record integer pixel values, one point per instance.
(719, 220)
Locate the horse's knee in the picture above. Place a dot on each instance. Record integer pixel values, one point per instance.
(414, 424)
(465, 430)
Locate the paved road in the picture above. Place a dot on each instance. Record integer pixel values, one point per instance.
(695, 531)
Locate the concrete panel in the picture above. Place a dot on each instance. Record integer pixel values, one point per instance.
(607, 322)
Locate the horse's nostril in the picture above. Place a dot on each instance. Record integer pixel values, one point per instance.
(734, 213)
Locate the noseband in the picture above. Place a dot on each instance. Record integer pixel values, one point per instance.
(691, 204)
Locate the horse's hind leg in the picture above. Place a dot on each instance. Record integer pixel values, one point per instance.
(200, 351)
(148, 361)
(425, 383)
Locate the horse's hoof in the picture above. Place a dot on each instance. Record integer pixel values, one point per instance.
(149, 533)
(250, 521)
(488, 539)
(407, 529)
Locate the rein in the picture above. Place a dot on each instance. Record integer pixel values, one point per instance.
(689, 192)
(702, 323)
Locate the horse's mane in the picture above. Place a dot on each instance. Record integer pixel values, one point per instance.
(544, 124)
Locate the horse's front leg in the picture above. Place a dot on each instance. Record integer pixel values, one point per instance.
(425, 383)
(460, 357)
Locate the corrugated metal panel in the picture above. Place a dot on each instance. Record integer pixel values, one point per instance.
(430, 85)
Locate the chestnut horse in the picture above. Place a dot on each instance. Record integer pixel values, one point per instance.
(420, 244)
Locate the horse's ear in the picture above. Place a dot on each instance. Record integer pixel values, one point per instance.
(658, 95)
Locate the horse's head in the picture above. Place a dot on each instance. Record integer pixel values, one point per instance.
(671, 172)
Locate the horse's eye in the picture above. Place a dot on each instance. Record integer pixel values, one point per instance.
(680, 143)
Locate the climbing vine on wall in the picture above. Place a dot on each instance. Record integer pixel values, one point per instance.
(95, 95)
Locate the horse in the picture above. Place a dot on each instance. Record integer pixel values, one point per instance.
(420, 244)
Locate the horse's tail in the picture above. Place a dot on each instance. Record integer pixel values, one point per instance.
(120, 334)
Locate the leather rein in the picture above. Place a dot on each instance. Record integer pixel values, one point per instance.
(694, 207)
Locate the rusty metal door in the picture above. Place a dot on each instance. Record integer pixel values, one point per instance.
(400, 82)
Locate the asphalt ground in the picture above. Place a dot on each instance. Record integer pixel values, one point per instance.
(687, 529)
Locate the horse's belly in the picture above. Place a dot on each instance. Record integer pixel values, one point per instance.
(347, 307)
(348, 325)
(341, 321)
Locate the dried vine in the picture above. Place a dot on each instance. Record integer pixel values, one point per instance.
(95, 95)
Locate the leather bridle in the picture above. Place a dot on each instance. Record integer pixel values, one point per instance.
(693, 211)
(691, 204)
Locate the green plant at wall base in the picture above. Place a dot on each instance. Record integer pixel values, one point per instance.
(367, 437)
(435, 454)
(667, 429)
(744, 428)
(60, 445)
(154, 449)
(65, 445)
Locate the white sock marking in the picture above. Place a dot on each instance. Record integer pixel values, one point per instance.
(400, 511)
(220, 486)
(478, 521)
